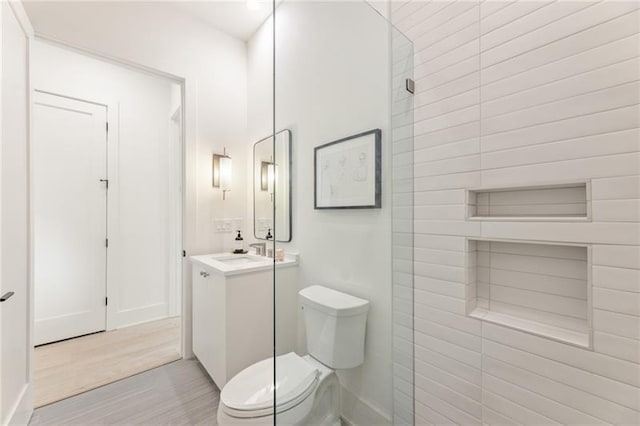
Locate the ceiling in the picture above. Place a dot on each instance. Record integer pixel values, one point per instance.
(232, 17)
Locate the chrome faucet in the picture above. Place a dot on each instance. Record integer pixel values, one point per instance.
(261, 248)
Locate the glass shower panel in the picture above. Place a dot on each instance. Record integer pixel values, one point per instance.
(340, 75)
(402, 233)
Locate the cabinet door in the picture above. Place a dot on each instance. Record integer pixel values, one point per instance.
(217, 329)
(209, 325)
(201, 316)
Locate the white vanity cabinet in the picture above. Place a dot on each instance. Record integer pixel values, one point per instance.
(233, 314)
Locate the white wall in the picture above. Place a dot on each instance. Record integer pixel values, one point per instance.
(140, 159)
(213, 66)
(519, 93)
(332, 82)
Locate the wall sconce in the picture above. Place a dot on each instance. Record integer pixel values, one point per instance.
(268, 177)
(264, 175)
(222, 172)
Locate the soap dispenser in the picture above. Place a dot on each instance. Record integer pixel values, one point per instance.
(238, 245)
(269, 237)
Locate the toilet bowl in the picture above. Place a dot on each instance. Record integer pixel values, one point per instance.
(307, 393)
(306, 388)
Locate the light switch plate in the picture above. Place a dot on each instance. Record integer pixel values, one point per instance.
(223, 226)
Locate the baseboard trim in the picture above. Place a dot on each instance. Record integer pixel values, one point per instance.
(23, 410)
(356, 411)
(142, 314)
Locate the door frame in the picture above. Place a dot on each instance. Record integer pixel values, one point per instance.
(113, 146)
(188, 172)
(21, 413)
(112, 106)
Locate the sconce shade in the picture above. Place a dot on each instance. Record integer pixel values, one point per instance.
(271, 177)
(264, 176)
(221, 169)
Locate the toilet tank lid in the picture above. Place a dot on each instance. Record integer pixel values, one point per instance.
(333, 302)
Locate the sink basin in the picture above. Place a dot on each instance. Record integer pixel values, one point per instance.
(239, 260)
(232, 264)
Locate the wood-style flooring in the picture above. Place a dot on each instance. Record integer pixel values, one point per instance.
(179, 393)
(74, 366)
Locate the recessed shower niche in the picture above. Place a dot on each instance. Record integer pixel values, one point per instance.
(540, 288)
(558, 202)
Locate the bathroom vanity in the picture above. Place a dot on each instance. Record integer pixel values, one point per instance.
(233, 310)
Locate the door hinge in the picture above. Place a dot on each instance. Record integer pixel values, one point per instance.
(410, 85)
(184, 253)
(106, 301)
(106, 125)
(106, 242)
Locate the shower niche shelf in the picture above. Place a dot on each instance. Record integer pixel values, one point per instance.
(566, 202)
(539, 288)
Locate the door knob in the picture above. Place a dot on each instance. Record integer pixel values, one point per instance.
(204, 274)
(6, 296)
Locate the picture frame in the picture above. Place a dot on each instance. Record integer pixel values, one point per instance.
(348, 172)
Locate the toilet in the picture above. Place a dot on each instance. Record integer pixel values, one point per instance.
(307, 388)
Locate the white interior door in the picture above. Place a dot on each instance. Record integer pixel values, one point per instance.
(15, 400)
(69, 146)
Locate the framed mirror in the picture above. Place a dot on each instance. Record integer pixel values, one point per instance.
(272, 185)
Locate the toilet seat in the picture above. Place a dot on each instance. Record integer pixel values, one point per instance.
(250, 392)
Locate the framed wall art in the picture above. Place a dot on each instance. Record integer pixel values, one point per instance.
(348, 172)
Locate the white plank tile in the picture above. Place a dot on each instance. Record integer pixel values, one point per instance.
(520, 414)
(450, 304)
(584, 402)
(563, 68)
(616, 346)
(617, 324)
(464, 164)
(567, 170)
(455, 352)
(594, 124)
(581, 359)
(450, 381)
(615, 29)
(444, 409)
(595, 384)
(532, 16)
(462, 403)
(464, 371)
(616, 301)
(616, 210)
(560, 29)
(451, 150)
(442, 287)
(616, 188)
(599, 79)
(621, 142)
(501, 19)
(624, 279)
(440, 242)
(590, 103)
(620, 256)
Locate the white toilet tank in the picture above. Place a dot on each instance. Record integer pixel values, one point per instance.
(335, 324)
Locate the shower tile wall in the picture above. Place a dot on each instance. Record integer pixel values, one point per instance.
(515, 94)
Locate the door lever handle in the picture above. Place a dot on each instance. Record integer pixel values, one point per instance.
(106, 182)
(6, 296)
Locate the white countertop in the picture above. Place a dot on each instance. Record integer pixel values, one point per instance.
(234, 264)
